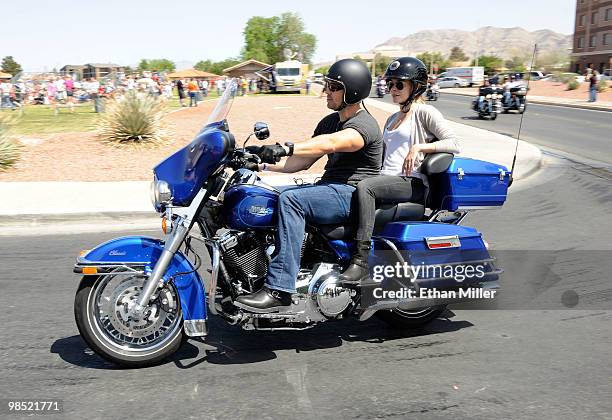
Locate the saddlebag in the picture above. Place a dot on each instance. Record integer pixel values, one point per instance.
(469, 184)
(448, 255)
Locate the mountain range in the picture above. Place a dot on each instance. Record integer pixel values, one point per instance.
(502, 42)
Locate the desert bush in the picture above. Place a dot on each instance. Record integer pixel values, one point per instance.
(572, 85)
(602, 85)
(134, 119)
(9, 148)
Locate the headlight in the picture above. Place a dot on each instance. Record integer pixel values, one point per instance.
(160, 194)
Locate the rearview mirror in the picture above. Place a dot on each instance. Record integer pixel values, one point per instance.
(261, 130)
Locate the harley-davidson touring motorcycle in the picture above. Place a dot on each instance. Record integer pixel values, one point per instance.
(140, 298)
(488, 103)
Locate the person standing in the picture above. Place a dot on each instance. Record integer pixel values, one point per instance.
(69, 84)
(592, 77)
(181, 91)
(192, 90)
(5, 91)
(93, 87)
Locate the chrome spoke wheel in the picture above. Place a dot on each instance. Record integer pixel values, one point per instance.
(110, 307)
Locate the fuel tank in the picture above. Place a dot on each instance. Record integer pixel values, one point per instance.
(249, 203)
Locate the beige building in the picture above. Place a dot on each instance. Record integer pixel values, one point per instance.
(592, 36)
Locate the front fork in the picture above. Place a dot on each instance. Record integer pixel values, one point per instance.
(172, 245)
(155, 279)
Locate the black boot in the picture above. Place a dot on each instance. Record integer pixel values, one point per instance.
(264, 301)
(358, 268)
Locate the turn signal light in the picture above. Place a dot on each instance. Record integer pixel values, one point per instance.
(165, 225)
(90, 270)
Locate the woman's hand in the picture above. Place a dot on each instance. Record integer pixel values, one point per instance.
(410, 159)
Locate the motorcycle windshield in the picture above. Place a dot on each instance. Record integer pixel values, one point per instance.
(187, 169)
(224, 105)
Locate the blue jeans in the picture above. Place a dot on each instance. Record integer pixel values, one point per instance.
(592, 94)
(481, 100)
(321, 204)
(507, 99)
(192, 99)
(6, 102)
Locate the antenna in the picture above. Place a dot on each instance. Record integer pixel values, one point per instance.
(518, 136)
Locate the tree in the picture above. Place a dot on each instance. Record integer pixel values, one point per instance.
(218, 66)
(323, 70)
(381, 62)
(432, 59)
(290, 35)
(156, 64)
(9, 65)
(457, 54)
(491, 63)
(259, 39)
(143, 65)
(266, 39)
(515, 64)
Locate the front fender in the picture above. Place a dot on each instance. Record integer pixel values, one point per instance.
(144, 252)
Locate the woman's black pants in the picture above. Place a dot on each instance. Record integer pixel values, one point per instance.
(383, 189)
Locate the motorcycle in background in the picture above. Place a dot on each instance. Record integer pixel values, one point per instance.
(516, 100)
(488, 104)
(381, 88)
(432, 93)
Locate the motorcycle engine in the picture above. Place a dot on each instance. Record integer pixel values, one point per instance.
(326, 296)
(246, 259)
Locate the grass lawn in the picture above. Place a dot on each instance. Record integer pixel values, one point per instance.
(42, 119)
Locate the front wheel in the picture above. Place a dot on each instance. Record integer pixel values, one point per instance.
(101, 311)
(399, 318)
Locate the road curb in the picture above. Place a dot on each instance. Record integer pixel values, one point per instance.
(542, 102)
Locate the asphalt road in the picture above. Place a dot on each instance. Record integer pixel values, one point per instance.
(580, 132)
(540, 362)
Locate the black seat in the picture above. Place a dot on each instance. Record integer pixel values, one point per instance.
(434, 163)
(384, 214)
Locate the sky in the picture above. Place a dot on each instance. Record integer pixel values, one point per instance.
(43, 34)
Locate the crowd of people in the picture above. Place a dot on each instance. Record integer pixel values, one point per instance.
(56, 90)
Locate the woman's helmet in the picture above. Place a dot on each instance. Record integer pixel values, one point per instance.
(354, 76)
(412, 69)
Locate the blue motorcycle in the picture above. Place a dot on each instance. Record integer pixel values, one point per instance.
(140, 298)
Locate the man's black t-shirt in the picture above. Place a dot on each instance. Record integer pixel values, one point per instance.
(352, 167)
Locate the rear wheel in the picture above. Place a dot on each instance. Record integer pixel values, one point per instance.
(457, 85)
(399, 318)
(101, 311)
(493, 115)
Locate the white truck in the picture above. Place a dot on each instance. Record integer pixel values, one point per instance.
(288, 76)
(472, 75)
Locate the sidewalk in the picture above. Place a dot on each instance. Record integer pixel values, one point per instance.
(542, 100)
(35, 203)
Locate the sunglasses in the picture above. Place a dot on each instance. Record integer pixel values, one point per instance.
(399, 84)
(333, 86)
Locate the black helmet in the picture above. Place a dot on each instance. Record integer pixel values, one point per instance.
(409, 68)
(354, 76)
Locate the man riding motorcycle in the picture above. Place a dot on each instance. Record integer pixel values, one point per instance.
(481, 97)
(352, 140)
(509, 84)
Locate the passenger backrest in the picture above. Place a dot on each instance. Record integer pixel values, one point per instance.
(436, 163)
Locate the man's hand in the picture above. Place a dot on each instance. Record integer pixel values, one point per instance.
(251, 166)
(254, 150)
(272, 153)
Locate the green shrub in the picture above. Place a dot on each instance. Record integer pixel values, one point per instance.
(602, 85)
(572, 85)
(134, 119)
(9, 149)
